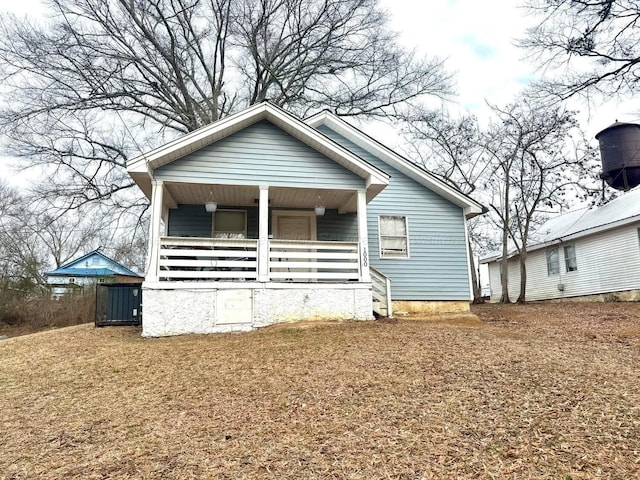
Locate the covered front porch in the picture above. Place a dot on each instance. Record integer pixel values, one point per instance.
(205, 232)
(236, 257)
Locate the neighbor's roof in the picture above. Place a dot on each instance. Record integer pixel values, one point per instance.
(83, 272)
(397, 161)
(579, 223)
(72, 267)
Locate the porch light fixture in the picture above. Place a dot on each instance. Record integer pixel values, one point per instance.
(211, 205)
(319, 209)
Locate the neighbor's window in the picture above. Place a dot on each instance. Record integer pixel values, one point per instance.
(570, 258)
(394, 238)
(553, 262)
(230, 224)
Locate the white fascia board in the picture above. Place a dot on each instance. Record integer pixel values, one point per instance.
(471, 207)
(569, 238)
(146, 163)
(585, 233)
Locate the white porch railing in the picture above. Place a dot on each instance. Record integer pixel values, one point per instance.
(381, 291)
(303, 261)
(207, 259)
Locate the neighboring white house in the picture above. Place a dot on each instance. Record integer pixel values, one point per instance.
(94, 267)
(262, 217)
(585, 252)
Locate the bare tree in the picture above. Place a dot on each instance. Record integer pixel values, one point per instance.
(452, 148)
(534, 169)
(33, 240)
(102, 80)
(594, 43)
(20, 259)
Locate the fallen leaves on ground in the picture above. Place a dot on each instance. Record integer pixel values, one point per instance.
(535, 391)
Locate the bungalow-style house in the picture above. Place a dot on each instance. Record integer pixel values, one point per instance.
(591, 253)
(94, 267)
(262, 218)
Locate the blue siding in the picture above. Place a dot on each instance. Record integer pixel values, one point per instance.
(194, 221)
(437, 268)
(260, 154)
(335, 227)
(189, 221)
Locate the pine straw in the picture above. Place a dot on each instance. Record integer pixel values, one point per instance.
(542, 391)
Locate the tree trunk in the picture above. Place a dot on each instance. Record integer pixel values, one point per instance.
(477, 294)
(523, 277)
(504, 268)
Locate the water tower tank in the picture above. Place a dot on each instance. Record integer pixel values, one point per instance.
(620, 153)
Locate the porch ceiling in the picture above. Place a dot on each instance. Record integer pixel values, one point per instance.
(243, 196)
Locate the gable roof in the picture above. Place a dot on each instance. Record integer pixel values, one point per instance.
(72, 267)
(470, 206)
(579, 223)
(141, 168)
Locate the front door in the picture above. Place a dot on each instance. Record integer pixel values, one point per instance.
(294, 225)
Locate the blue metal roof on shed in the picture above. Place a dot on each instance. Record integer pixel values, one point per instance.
(70, 268)
(85, 272)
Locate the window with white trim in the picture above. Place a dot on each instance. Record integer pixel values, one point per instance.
(230, 224)
(553, 261)
(394, 236)
(570, 262)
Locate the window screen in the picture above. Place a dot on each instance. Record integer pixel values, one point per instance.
(394, 240)
(553, 262)
(570, 258)
(230, 224)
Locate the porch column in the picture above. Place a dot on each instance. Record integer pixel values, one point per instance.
(164, 231)
(263, 234)
(157, 188)
(363, 236)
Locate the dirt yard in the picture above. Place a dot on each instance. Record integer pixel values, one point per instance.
(538, 391)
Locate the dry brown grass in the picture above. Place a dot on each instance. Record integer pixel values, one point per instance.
(541, 391)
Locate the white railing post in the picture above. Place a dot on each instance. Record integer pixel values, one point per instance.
(263, 235)
(387, 282)
(157, 188)
(363, 236)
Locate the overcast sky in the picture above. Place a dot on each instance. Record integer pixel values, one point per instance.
(477, 38)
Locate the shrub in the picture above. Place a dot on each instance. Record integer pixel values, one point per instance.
(36, 310)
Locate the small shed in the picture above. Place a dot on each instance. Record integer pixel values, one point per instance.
(118, 304)
(93, 268)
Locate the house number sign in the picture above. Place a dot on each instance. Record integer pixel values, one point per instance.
(365, 259)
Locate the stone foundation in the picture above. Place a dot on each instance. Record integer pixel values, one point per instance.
(401, 307)
(272, 305)
(622, 296)
(178, 309)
